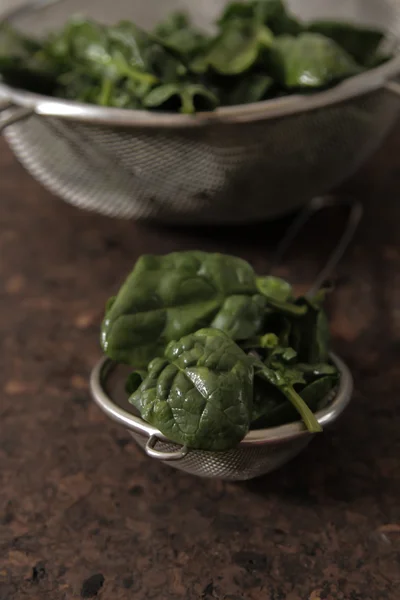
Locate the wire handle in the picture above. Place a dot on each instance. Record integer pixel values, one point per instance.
(151, 451)
(16, 114)
(354, 217)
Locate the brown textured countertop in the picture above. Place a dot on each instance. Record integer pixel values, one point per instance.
(83, 512)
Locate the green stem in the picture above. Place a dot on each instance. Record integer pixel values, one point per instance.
(187, 107)
(287, 308)
(307, 415)
(106, 90)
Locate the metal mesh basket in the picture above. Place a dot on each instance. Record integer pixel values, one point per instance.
(259, 453)
(277, 154)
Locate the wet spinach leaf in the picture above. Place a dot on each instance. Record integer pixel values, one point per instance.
(272, 409)
(268, 352)
(259, 50)
(275, 288)
(186, 98)
(21, 63)
(166, 297)
(177, 32)
(310, 60)
(238, 48)
(246, 89)
(201, 393)
(284, 379)
(361, 43)
(134, 381)
(310, 335)
(271, 13)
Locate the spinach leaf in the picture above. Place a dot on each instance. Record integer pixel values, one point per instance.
(200, 394)
(236, 11)
(284, 379)
(310, 335)
(275, 288)
(248, 88)
(271, 13)
(187, 98)
(186, 386)
(279, 295)
(101, 65)
(317, 391)
(166, 297)
(267, 400)
(272, 409)
(177, 20)
(310, 60)
(21, 63)
(241, 316)
(361, 43)
(316, 371)
(177, 32)
(259, 51)
(113, 66)
(134, 381)
(236, 49)
(14, 43)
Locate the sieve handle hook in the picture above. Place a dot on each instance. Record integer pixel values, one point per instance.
(355, 213)
(151, 451)
(16, 114)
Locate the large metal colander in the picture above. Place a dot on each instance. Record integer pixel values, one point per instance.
(237, 164)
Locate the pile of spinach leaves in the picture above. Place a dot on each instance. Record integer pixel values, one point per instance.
(217, 350)
(258, 51)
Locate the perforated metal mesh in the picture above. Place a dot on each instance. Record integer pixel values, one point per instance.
(235, 465)
(220, 173)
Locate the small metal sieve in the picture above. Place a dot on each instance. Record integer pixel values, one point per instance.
(260, 451)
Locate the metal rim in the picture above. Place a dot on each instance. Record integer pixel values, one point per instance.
(253, 438)
(359, 85)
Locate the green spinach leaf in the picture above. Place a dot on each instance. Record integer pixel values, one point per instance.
(238, 47)
(177, 32)
(22, 64)
(249, 88)
(271, 13)
(313, 372)
(272, 409)
(166, 297)
(284, 379)
(260, 50)
(201, 393)
(361, 43)
(310, 335)
(275, 288)
(241, 316)
(310, 60)
(134, 381)
(186, 98)
(267, 400)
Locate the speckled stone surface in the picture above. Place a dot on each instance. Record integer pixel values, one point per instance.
(84, 514)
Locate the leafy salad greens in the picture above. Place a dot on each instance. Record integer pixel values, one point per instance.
(217, 350)
(259, 50)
